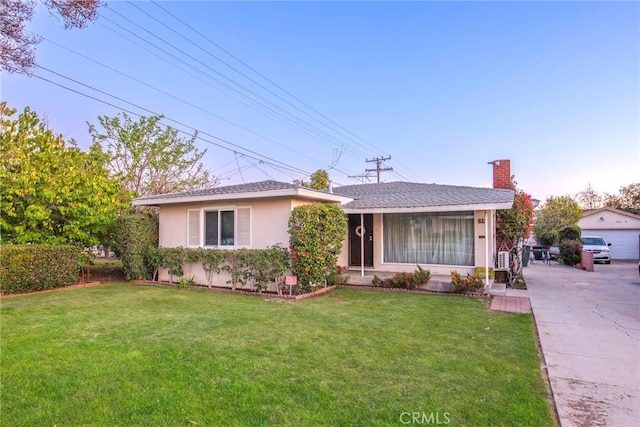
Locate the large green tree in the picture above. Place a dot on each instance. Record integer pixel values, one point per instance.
(149, 158)
(51, 191)
(557, 212)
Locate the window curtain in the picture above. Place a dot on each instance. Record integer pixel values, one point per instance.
(445, 238)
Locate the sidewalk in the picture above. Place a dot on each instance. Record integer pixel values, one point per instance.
(589, 328)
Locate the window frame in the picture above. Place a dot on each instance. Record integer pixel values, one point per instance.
(201, 226)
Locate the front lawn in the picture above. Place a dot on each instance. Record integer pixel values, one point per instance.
(126, 355)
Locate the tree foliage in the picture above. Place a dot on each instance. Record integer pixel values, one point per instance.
(17, 45)
(589, 198)
(514, 225)
(149, 158)
(556, 213)
(627, 199)
(316, 232)
(319, 180)
(51, 191)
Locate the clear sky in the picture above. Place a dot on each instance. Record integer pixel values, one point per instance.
(441, 87)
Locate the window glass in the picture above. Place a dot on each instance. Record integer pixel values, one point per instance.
(429, 238)
(211, 228)
(227, 228)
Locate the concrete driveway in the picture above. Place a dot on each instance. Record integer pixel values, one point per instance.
(589, 327)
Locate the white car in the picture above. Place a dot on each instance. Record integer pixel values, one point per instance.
(598, 247)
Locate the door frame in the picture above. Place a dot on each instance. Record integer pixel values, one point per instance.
(356, 237)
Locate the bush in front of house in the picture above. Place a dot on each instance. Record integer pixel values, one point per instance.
(404, 280)
(256, 268)
(29, 268)
(465, 284)
(135, 234)
(316, 232)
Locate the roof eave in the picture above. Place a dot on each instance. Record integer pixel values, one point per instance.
(442, 208)
(289, 192)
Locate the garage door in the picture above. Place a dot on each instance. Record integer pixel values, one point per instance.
(625, 244)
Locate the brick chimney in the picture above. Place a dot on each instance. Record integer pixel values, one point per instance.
(501, 173)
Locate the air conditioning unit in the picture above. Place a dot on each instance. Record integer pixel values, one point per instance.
(503, 259)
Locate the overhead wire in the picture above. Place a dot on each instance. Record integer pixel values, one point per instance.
(255, 155)
(272, 106)
(185, 102)
(272, 82)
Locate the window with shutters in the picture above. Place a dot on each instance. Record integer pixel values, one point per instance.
(224, 228)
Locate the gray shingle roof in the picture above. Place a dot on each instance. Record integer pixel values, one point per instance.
(416, 195)
(250, 187)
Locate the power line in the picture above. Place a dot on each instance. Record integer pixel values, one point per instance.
(187, 102)
(268, 80)
(295, 119)
(257, 156)
(379, 168)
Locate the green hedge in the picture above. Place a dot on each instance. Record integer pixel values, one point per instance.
(135, 234)
(28, 268)
(246, 267)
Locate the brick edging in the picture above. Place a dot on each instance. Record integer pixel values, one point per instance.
(272, 296)
(61, 288)
(416, 291)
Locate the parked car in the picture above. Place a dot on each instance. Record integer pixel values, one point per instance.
(598, 247)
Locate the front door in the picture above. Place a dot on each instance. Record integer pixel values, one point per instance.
(356, 232)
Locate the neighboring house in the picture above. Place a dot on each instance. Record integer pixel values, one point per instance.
(392, 226)
(620, 228)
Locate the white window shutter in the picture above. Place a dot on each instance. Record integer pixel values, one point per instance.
(243, 227)
(193, 227)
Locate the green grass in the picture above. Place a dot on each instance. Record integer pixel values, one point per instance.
(126, 355)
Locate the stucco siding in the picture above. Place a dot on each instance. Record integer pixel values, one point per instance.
(268, 221)
(609, 221)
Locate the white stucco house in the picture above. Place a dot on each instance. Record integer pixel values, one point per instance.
(620, 228)
(392, 226)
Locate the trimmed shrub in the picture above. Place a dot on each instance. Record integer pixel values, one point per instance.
(570, 232)
(570, 251)
(404, 280)
(570, 244)
(135, 234)
(467, 284)
(316, 233)
(29, 268)
(247, 267)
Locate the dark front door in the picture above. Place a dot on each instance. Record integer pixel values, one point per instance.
(356, 232)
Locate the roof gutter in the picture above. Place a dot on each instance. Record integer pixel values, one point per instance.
(294, 192)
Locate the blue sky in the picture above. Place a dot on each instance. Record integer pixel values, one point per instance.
(441, 87)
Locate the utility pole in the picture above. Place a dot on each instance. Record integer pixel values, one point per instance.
(379, 168)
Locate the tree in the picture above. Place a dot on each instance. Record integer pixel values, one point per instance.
(513, 227)
(150, 159)
(627, 199)
(17, 46)
(50, 191)
(319, 180)
(589, 198)
(556, 213)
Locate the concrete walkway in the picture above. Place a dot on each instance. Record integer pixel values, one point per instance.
(589, 327)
